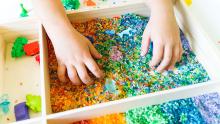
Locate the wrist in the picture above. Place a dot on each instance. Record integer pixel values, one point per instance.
(57, 25)
(161, 7)
(60, 33)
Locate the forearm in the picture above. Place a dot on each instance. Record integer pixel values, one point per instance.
(53, 16)
(151, 2)
(161, 7)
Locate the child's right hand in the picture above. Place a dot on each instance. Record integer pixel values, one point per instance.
(75, 54)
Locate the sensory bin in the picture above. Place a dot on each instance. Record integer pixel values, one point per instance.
(128, 74)
(203, 109)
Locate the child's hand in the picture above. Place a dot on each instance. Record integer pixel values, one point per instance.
(74, 52)
(76, 55)
(162, 29)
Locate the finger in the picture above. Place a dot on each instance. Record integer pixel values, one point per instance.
(145, 43)
(61, 72)
(100, 66)
(157, 54)
(94, 68)
(73, 76)
(83, 74)
(166, 59)
(94, 52)
(175, 58)
(180, 52)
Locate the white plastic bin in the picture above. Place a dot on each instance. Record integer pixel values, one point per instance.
(31, 74)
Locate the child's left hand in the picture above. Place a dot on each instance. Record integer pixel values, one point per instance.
(163, 30)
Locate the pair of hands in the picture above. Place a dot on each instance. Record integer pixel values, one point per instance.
(76, 55)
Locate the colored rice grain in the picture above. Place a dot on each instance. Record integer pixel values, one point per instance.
(146, 115)
(198, 110)
(209, 106)
(182, 111)
(108, 119)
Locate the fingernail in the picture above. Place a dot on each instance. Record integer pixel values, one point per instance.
(100, 66)
(103, 75)
(171, 68)
(150, 64)
(152, 67)
(90, 82)
(76, 83)
(159, 71)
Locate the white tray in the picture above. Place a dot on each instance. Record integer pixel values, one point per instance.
(207, 53)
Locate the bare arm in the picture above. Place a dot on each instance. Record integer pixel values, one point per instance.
(53, 17)
(74, 52)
